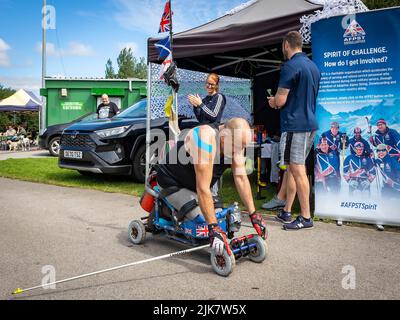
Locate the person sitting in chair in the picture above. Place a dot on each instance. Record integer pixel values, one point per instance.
(21, 131)
(195, 164)
(11, 132)
(359, 170)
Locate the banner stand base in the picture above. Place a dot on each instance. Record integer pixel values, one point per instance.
(380, 227)
(339, 223)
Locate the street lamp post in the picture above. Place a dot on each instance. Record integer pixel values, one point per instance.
(42, 113)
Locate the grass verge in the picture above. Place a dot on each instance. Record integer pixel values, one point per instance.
(47, 171)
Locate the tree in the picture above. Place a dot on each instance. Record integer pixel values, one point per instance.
(29, 119)
(5, 118)
(141, 69)
(110, 73)
(128, 66)
(377, 4)
(5, 92)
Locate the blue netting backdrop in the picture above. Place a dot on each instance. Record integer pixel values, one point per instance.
(237, 92)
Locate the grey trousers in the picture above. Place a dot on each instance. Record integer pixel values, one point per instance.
(180, 198)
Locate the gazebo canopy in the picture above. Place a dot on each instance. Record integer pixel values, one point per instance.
(22, 100)
(245, 43)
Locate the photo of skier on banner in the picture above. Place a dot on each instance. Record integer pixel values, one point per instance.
(337, 141)
(358, 170)
(358, 138)
(389, 168)
(389, 137)
(327, 174)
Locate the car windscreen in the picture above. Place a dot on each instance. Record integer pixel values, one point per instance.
(89, 117)
(138, 110)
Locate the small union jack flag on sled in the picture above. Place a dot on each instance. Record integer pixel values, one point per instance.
(201, 231)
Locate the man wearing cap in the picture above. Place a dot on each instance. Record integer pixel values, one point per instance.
(358, 138)
(327, 174)
(387, 136)
(336, 139)
(359, 170)
(390, 170)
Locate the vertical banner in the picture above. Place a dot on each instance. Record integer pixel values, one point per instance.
(357, 168)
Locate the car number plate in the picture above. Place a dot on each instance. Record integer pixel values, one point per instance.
(73, 154)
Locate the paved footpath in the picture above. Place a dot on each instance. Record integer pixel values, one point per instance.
(79, 231)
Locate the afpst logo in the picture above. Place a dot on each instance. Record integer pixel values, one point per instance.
(354, 33)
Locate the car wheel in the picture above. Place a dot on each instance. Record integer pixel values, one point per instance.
(54, 146)
(139, 164)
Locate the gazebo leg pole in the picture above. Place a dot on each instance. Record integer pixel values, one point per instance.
(148, 117)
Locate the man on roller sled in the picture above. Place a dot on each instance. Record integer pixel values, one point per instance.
(192, 166)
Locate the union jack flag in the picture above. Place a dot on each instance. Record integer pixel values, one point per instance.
(188, 231)
(165, 24)
(354, 29)
(201, 231)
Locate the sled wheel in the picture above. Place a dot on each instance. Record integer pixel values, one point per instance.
(222, 264)
(137, 232)
(258, 253)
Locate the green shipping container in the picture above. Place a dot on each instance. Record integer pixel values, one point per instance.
(70, 98)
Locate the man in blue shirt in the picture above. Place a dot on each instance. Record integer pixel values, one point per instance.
(358, 170)
(296, 98)
(389, 168)
(388, 136)
(337, 141)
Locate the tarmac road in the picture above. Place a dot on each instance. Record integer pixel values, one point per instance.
(79, 231)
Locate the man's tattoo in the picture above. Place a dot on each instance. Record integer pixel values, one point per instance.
(282, 91)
